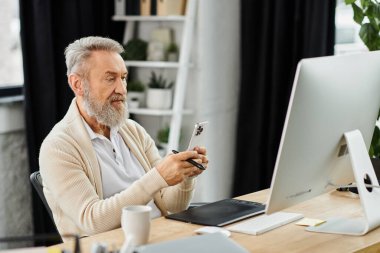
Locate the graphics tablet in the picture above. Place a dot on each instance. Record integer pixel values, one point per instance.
(219, 213)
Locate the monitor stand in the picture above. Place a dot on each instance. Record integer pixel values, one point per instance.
(369, 197)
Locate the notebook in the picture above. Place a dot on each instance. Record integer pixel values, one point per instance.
(215, 242)
(264, 223)
(219, 213)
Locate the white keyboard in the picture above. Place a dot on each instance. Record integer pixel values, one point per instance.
(264, 223)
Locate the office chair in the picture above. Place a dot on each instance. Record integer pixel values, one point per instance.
(36, 180)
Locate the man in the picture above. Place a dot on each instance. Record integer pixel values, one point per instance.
(95, 161)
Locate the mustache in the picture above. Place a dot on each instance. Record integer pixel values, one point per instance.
(117, 97)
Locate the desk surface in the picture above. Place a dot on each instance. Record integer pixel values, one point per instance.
(288, 238)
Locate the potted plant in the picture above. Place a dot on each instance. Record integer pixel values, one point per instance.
(135, 50)
(374, 149)
(367, 15)
(135, 94)
(159, 94)
(163, 139)
(172, 52)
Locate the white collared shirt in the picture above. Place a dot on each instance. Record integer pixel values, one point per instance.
(119, 167)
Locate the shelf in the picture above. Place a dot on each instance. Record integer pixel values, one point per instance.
(149, 18)
(152, 64)
(181, 68)
(155, 112)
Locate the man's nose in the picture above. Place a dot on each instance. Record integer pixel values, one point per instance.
(121, 87)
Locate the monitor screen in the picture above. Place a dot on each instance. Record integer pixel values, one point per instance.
(331, 95)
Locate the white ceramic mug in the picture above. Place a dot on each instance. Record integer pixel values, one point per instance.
(135, 221)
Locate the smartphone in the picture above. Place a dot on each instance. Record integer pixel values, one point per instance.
(198, 136)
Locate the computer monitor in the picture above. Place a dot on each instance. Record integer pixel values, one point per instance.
(331, 96)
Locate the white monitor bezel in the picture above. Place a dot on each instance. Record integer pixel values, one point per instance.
(344, 95)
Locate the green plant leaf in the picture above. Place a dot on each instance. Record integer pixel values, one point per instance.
(170, 85)
(372, 10)
(358, 14)
(365, 3)
(163, 134)
(369, 36)
(371, 152)
(158, 82)
(376, 13)
(135, 85)
(172, 48)
(135, 49)
(374, 24)
(374, 150)
(349, 1)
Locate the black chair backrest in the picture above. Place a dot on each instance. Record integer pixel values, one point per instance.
(36, 180)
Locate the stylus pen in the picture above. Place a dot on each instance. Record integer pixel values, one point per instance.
(198, 165)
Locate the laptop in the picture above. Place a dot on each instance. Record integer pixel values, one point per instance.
(219, 213)
(215, 242)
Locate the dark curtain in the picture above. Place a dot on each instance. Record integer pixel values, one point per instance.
(47, 27)
(275, 35)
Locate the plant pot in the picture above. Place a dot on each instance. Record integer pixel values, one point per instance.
(133, 96)
(159, 98)
(156, 51)
(133, 103)
(173, 57)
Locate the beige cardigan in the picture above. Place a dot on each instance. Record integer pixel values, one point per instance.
(73, 185)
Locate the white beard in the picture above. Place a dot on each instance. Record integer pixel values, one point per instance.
(105, 114)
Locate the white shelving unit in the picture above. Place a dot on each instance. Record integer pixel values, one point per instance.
(152, 64)
(182, 67)
(153, 112)
(149, 18)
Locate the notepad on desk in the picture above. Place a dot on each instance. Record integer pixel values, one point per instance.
(264, 223)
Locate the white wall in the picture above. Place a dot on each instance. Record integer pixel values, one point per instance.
(217, 75)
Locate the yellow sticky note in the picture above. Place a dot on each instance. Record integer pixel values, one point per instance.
(54, 250)
(310, 222)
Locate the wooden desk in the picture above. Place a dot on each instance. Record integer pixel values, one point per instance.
(288, 238)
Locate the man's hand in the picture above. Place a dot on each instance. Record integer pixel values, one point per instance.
(174, 168)
(202, 152)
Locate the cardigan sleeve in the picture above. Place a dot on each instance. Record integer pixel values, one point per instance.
(72, 196)
(177, 197)
(70, 188)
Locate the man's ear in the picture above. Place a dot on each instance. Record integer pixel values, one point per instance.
(76, 84)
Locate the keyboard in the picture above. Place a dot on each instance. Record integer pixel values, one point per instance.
(264, 223)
